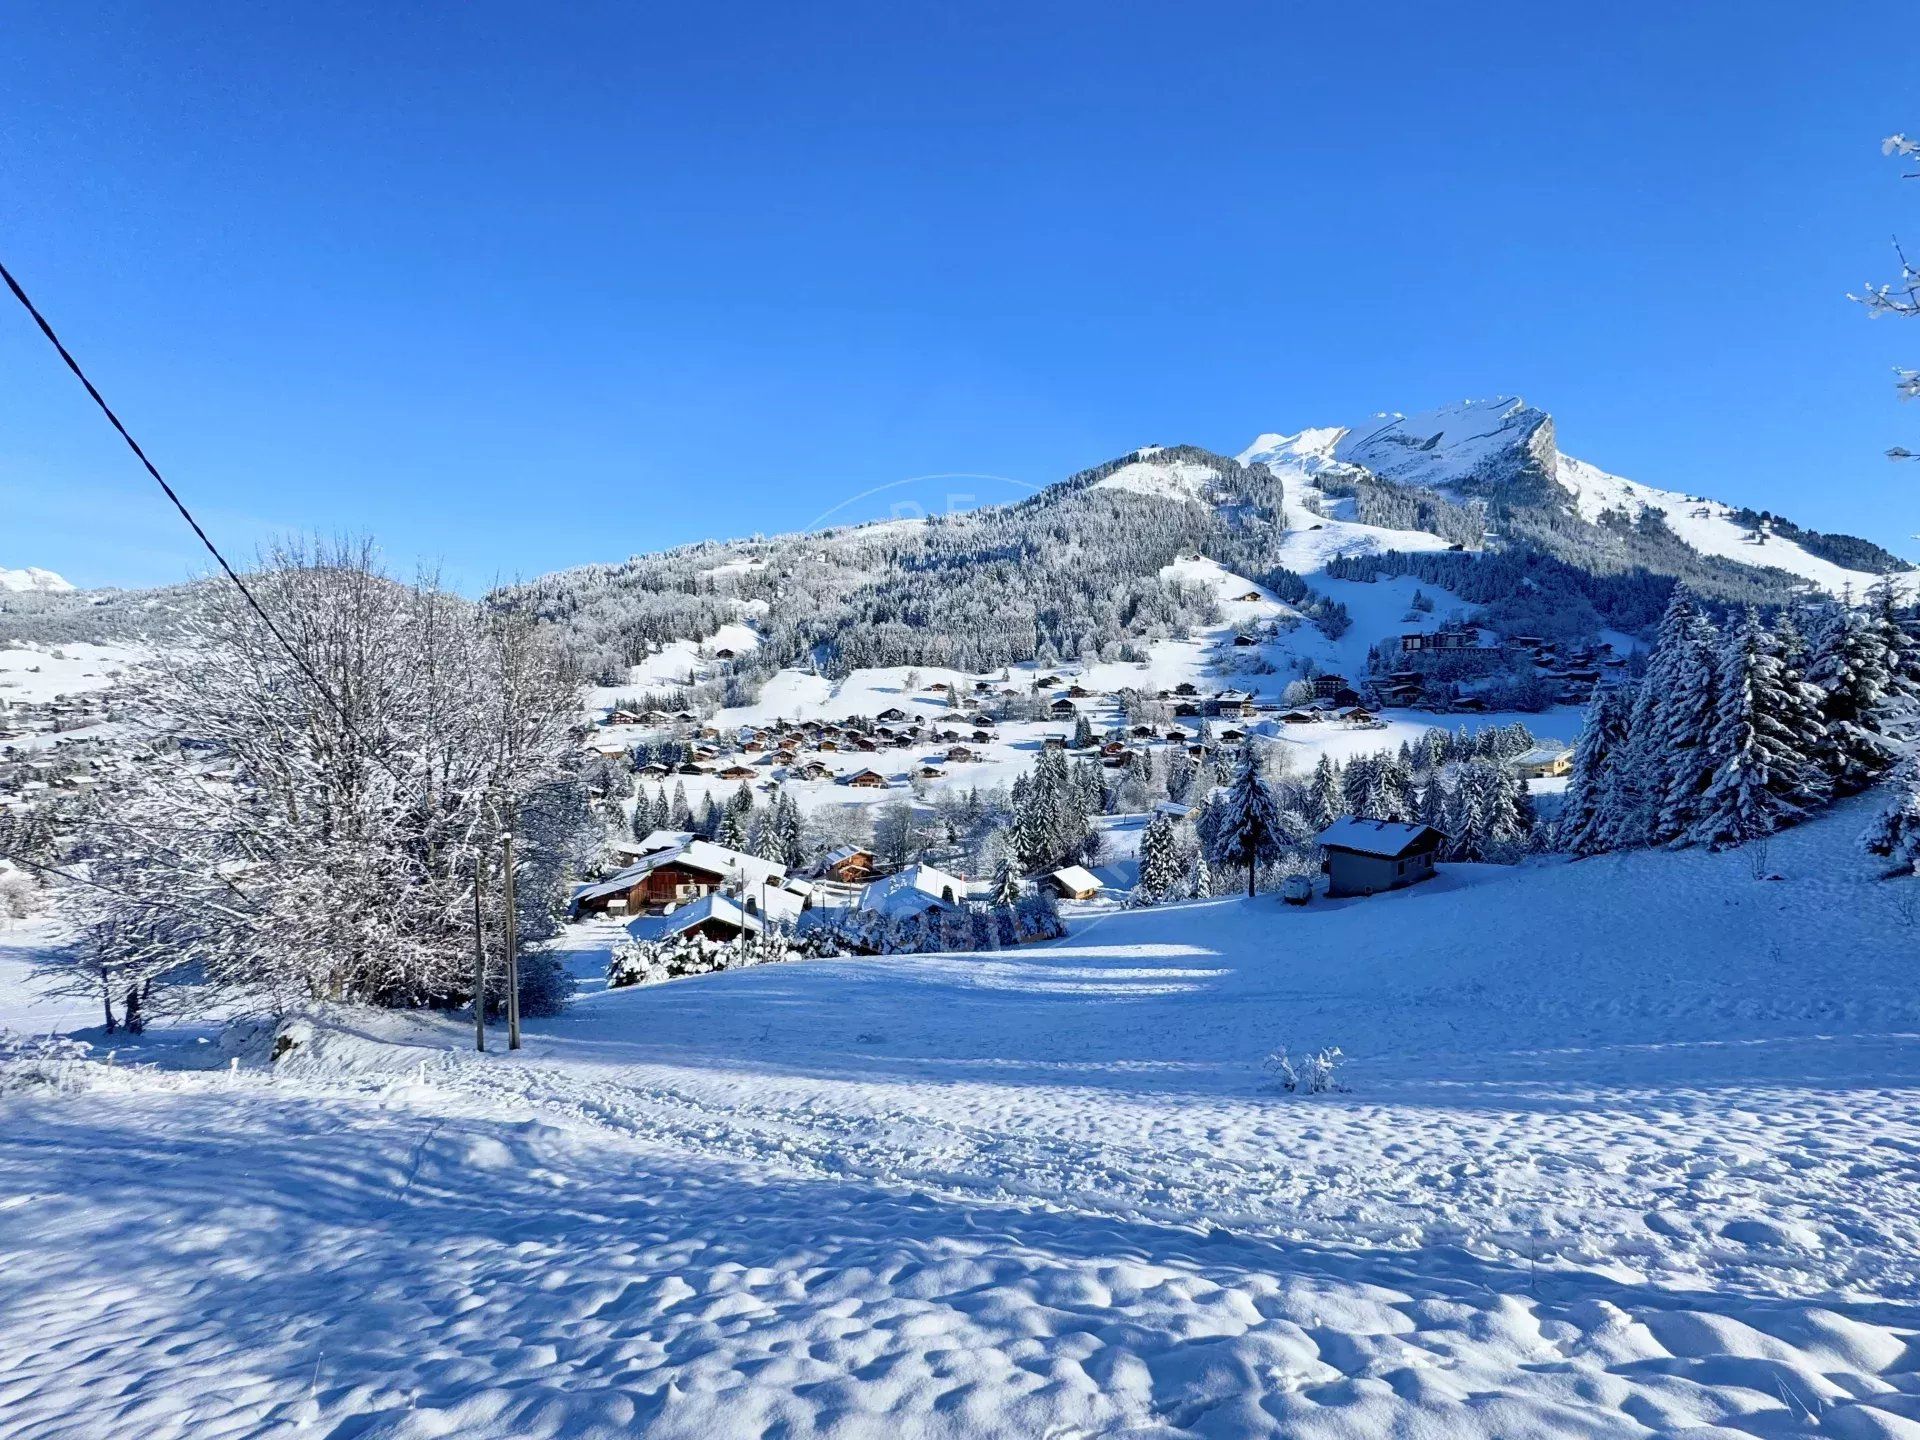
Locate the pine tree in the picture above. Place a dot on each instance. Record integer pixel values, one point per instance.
(1895, 831)
(680, 817)
(1006, 887)
(1586, 817)
(1326, 796)
(1760, 747)
(1644, 771)
(1249, 825)
(1160, 868)
(1200, 878)
(1692, 692)
(1849, 664)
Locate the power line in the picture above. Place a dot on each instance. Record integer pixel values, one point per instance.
(134, 445)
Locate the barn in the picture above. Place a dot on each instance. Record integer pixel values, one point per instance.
(1365, 857)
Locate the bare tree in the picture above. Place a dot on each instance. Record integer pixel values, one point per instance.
(296, 843)
(1902, 295)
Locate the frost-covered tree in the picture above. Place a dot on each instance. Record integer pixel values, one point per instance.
(1762, 744)
(323, 836)
(1247, 831)
(1901, 296)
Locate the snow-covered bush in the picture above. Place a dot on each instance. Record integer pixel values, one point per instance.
(20, 898)
(1312, 1074)
(637, 962)
(42, 1062)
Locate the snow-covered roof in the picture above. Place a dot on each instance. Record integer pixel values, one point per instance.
(1388, 839)
(687, 917)
(1543, 754)
(917, 888)
(844, 852)
(683, 849)
(1076, 878)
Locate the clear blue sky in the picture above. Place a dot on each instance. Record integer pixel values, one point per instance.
(518, 286)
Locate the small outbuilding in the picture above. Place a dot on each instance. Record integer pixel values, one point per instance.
(1365, 857)
(1075, 882)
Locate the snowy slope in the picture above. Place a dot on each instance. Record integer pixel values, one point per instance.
(1706, 525)
(1172, 480)
(1603, 1169)
(33, 578)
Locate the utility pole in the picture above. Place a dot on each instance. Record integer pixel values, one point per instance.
(479, 955)
(513, 936)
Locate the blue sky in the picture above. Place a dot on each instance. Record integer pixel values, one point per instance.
(514, 287)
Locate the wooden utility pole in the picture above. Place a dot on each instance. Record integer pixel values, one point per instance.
(513, 937)
(479, 954)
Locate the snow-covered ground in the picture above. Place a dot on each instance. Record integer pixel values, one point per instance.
(1631, 1147)
(42, 674)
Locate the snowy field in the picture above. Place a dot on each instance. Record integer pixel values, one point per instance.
(1630, 1147)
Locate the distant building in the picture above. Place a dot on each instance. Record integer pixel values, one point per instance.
(1545, 761)
(1365, 857)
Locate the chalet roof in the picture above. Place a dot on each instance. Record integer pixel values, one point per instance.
(682, 848)
(842, 853)
(1075, 878)
(1388, 839)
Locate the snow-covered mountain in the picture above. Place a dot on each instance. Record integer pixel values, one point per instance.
(1503, 453)
(1472, 504)
(33, 578)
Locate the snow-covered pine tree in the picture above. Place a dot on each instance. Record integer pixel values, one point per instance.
(680, 814)
(1586, 817)
(1006, 888)
(1859, 710)
(1160, 868)
(1761, 746)
(1644, 772)
(1894, 834)
(1326, 796)
(1248, 829)
(643, 825)
(1692, 679)
(1200, 877)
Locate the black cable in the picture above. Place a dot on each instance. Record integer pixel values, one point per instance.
(187, 515)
